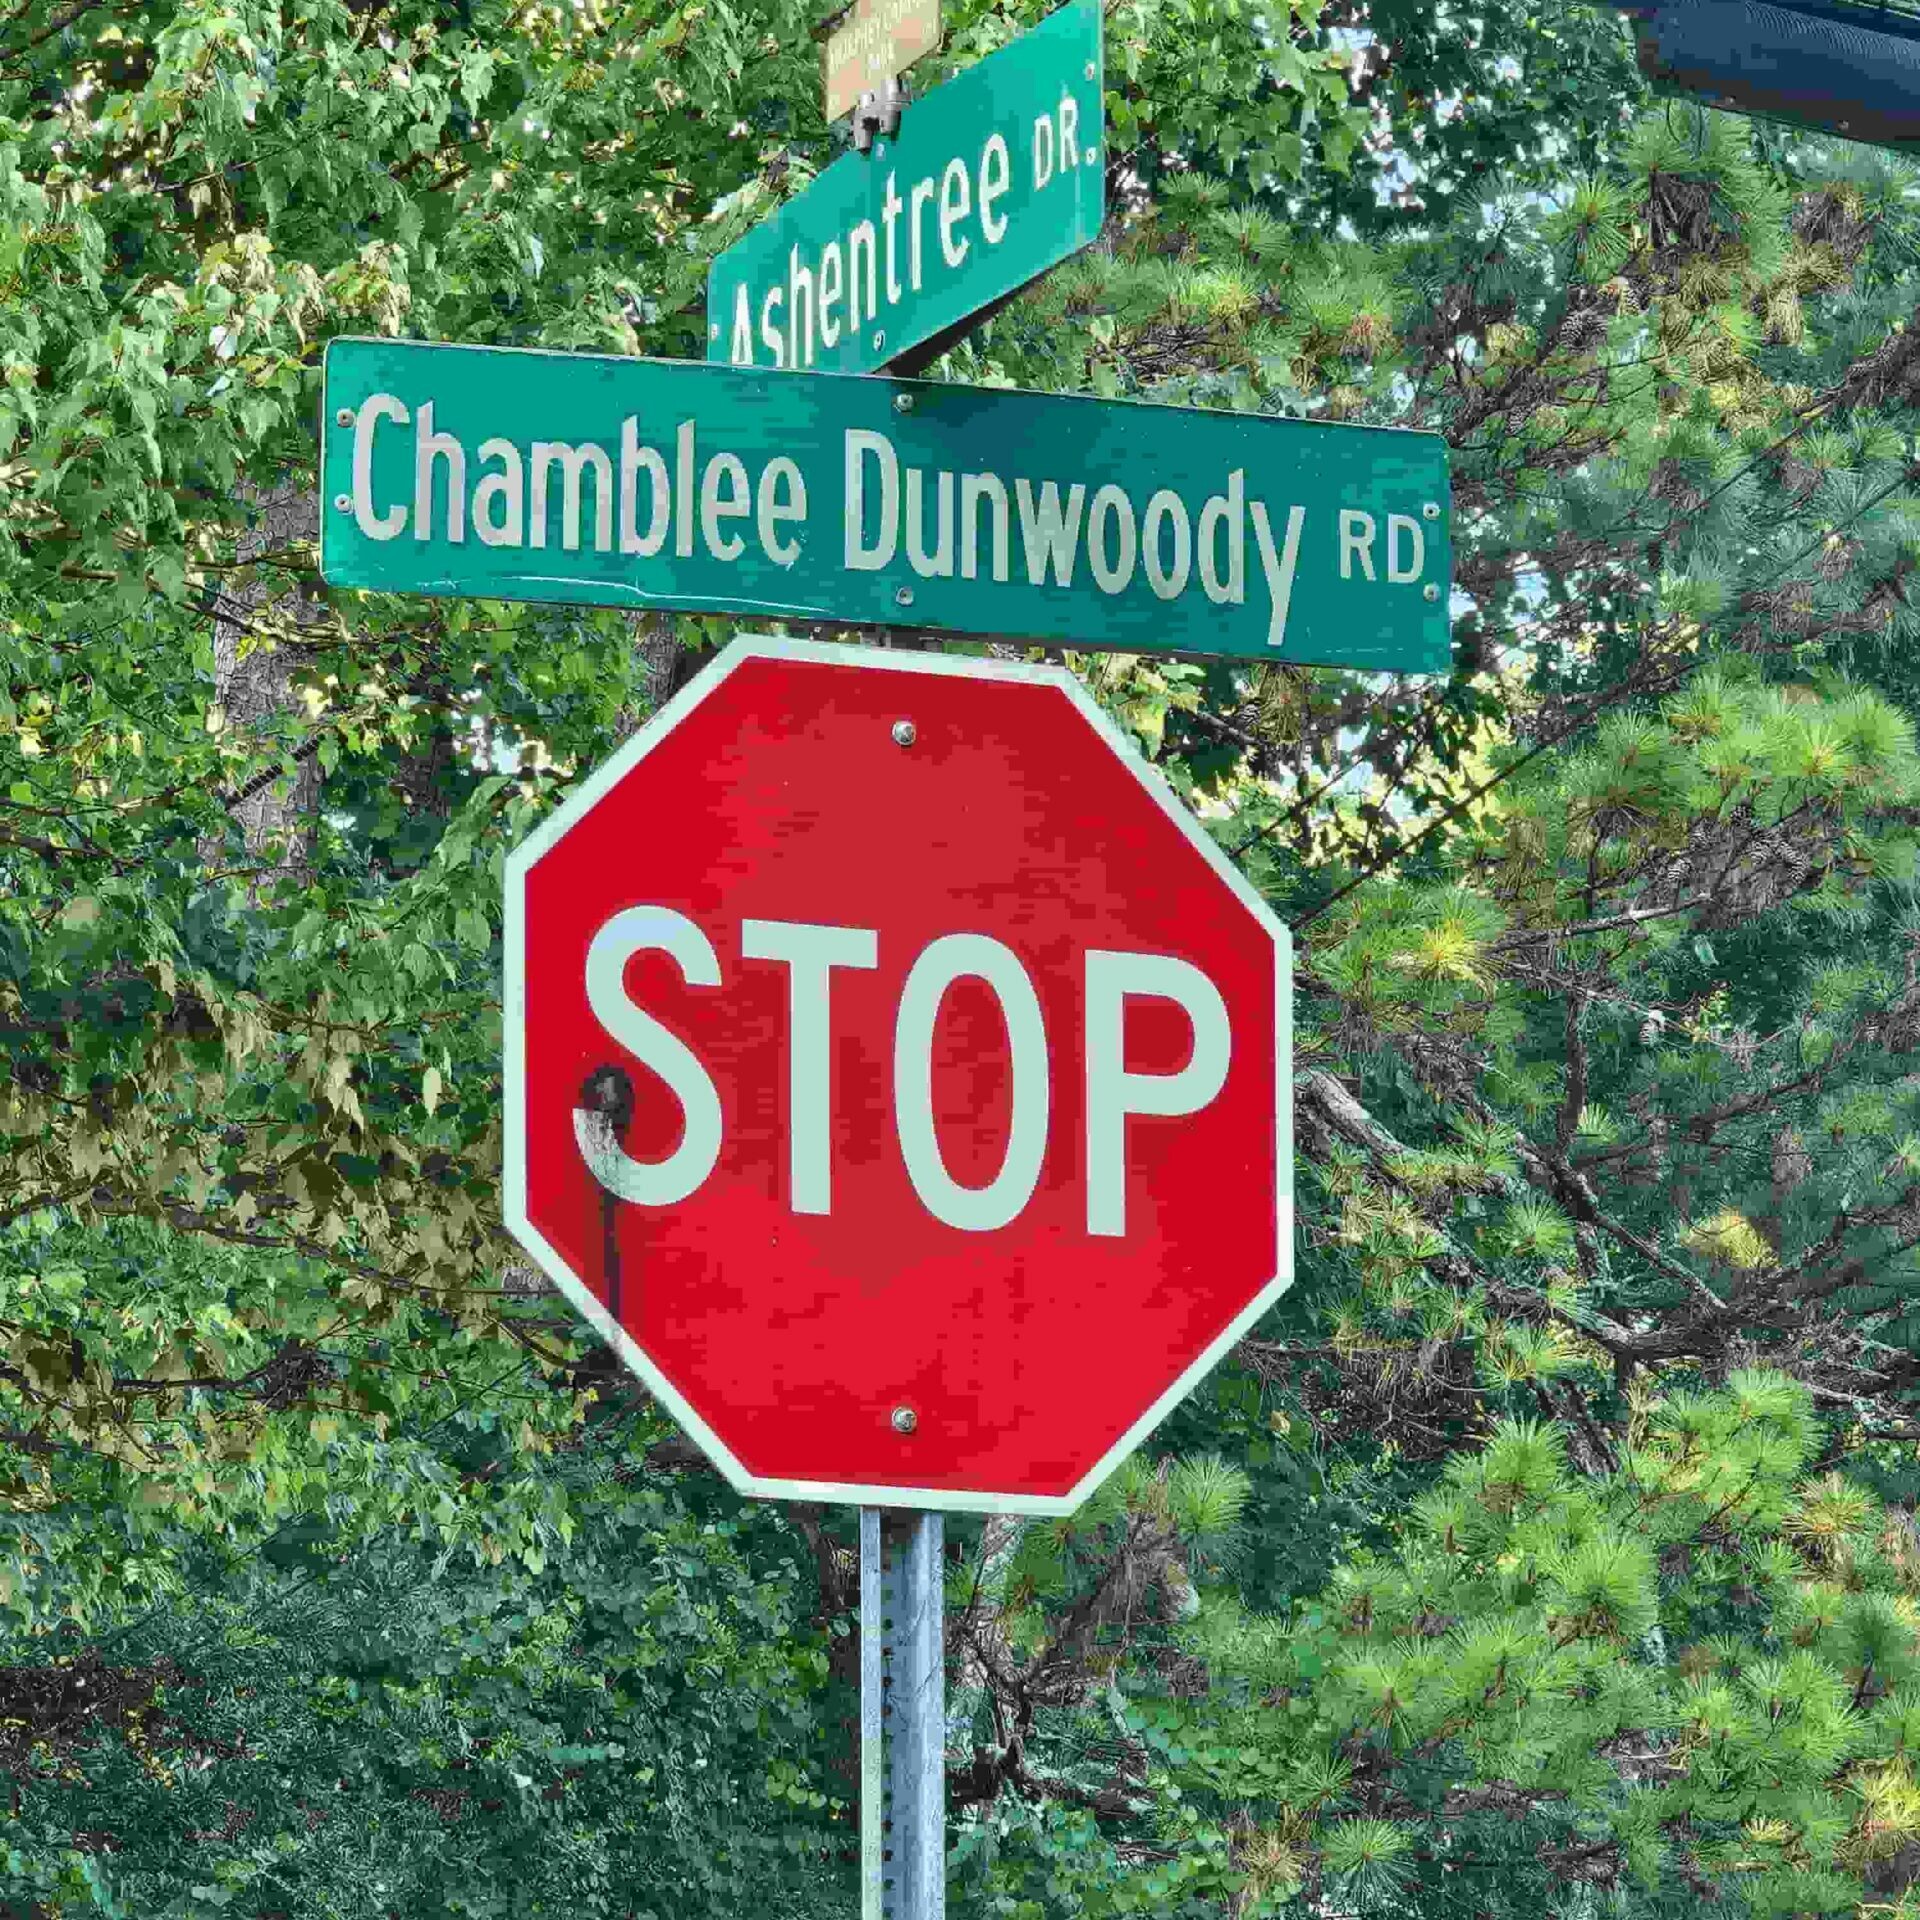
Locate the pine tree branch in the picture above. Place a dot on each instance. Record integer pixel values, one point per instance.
(1575, 1101)
(1638, 916)
(1325, 1110)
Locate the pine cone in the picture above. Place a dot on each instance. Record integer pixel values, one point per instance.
(1584, 331)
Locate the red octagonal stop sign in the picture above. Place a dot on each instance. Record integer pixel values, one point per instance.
(898, 1076)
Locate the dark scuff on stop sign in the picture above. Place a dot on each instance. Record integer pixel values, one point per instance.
(898, 1077)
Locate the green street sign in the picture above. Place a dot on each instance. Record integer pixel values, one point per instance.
(505, 474)
(993, 178)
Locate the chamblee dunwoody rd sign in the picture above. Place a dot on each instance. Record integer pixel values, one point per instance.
(898, 1076)
(993, 177)
(522, 475)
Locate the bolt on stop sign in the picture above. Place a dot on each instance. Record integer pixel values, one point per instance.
(898, 1077)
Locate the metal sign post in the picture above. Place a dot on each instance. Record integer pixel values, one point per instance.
(903, 1710)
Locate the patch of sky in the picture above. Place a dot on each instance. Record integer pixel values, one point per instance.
(728, 201)
(1395, 178)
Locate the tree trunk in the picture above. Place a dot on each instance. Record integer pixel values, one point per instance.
(254, 680)
(665, 665)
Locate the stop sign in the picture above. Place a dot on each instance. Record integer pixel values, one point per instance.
(898, 1076)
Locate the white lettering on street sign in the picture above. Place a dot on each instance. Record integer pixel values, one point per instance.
(947, 521)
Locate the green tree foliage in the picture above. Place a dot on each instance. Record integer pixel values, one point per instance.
(624, 1725)
(1546, 1552)
(1685, 1682)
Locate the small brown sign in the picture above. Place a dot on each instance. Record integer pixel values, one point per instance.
(872, 42)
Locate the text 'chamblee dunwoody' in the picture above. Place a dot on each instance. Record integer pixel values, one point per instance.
(674, 499)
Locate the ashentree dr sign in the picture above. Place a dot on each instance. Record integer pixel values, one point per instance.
(898, 1075)
(993, 178)
(1094, 523)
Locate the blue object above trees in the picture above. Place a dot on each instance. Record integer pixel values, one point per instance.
(1840, 66)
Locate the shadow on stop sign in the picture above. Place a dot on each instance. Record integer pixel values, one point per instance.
(898, 1077)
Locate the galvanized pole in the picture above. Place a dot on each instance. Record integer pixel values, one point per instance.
(918, 1695)
(873, 1769)
(903, 1797)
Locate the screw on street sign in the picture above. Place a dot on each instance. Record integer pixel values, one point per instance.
(518, 475)
(873, 42)
(898, 1076)
(993, 178)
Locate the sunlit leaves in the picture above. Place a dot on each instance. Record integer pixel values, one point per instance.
(1730, 1237)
